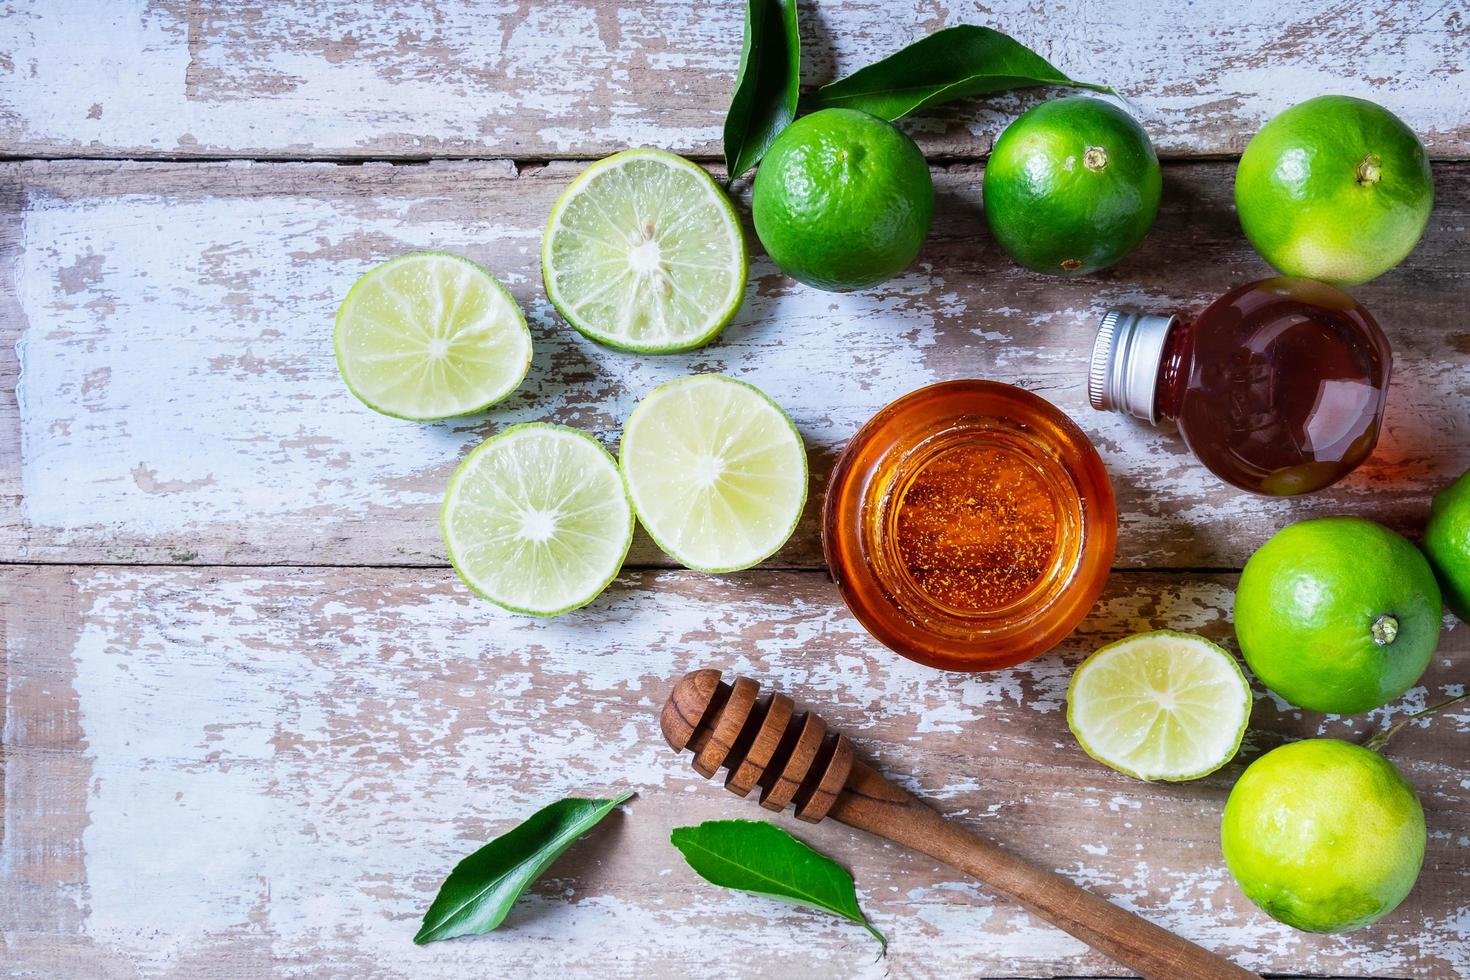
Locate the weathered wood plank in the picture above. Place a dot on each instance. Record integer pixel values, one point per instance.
(247, 773)
(179, 401)
(556, 78)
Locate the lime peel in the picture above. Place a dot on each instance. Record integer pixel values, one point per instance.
(1336, 189)
(1162, 705)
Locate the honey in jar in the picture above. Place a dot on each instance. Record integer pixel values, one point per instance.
(969, 525)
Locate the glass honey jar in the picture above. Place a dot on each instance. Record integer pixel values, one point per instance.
(970, 525)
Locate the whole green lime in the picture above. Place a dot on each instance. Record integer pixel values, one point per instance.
(1337, 614)
(1447, 541)
(1324, 835)
(842, 200)
(1336, 189)
(1072, 186)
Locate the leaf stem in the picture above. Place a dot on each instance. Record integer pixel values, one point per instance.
(1380, 738)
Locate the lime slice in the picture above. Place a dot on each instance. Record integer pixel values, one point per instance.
(537, 519)
(716, 470)
(1160, 705)
(428, 335)
(643, 252)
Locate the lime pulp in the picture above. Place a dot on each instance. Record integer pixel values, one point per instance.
(1160, 706)
(644, 252)
(430, 335)
(716, 470)
(537, 520)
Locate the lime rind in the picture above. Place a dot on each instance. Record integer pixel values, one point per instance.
(1056, 217)
(521, 353)
(568, 306)
(1336, 188)
(1324, 835)
(608, 491)
(674, 453)
(1160, 706)
(842, 200)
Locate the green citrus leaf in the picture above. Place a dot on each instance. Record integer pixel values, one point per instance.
(754, 856)
(764, 101)
(948, 65)
(478, 893)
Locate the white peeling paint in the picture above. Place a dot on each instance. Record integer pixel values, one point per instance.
(179, 397)
(296, 757)
(563, 77)
(221, 400)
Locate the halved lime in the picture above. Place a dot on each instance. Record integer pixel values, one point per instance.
(429, 335)
(1160, 705)
(717, 472)
(643, 252)
(537, 519)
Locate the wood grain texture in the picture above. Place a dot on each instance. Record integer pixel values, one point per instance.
(265, 772)
(179, 401)
(535, 79)
(240, 773)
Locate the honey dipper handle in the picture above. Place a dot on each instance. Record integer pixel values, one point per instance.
(873, 804)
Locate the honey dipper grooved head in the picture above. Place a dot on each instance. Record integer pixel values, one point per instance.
(761, 741)
(686, 706)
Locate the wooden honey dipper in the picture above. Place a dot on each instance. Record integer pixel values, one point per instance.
(767, 742)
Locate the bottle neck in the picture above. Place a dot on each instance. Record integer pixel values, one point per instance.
(1128, 358)
(1173, 373)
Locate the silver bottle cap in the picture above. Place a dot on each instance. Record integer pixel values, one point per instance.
(1125, 363)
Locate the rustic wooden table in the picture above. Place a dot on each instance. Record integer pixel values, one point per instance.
(251, 717)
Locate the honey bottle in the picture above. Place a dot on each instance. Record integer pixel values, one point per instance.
(1278, 387)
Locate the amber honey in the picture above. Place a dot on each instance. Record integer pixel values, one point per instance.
(1279, 386)
(970, 525)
